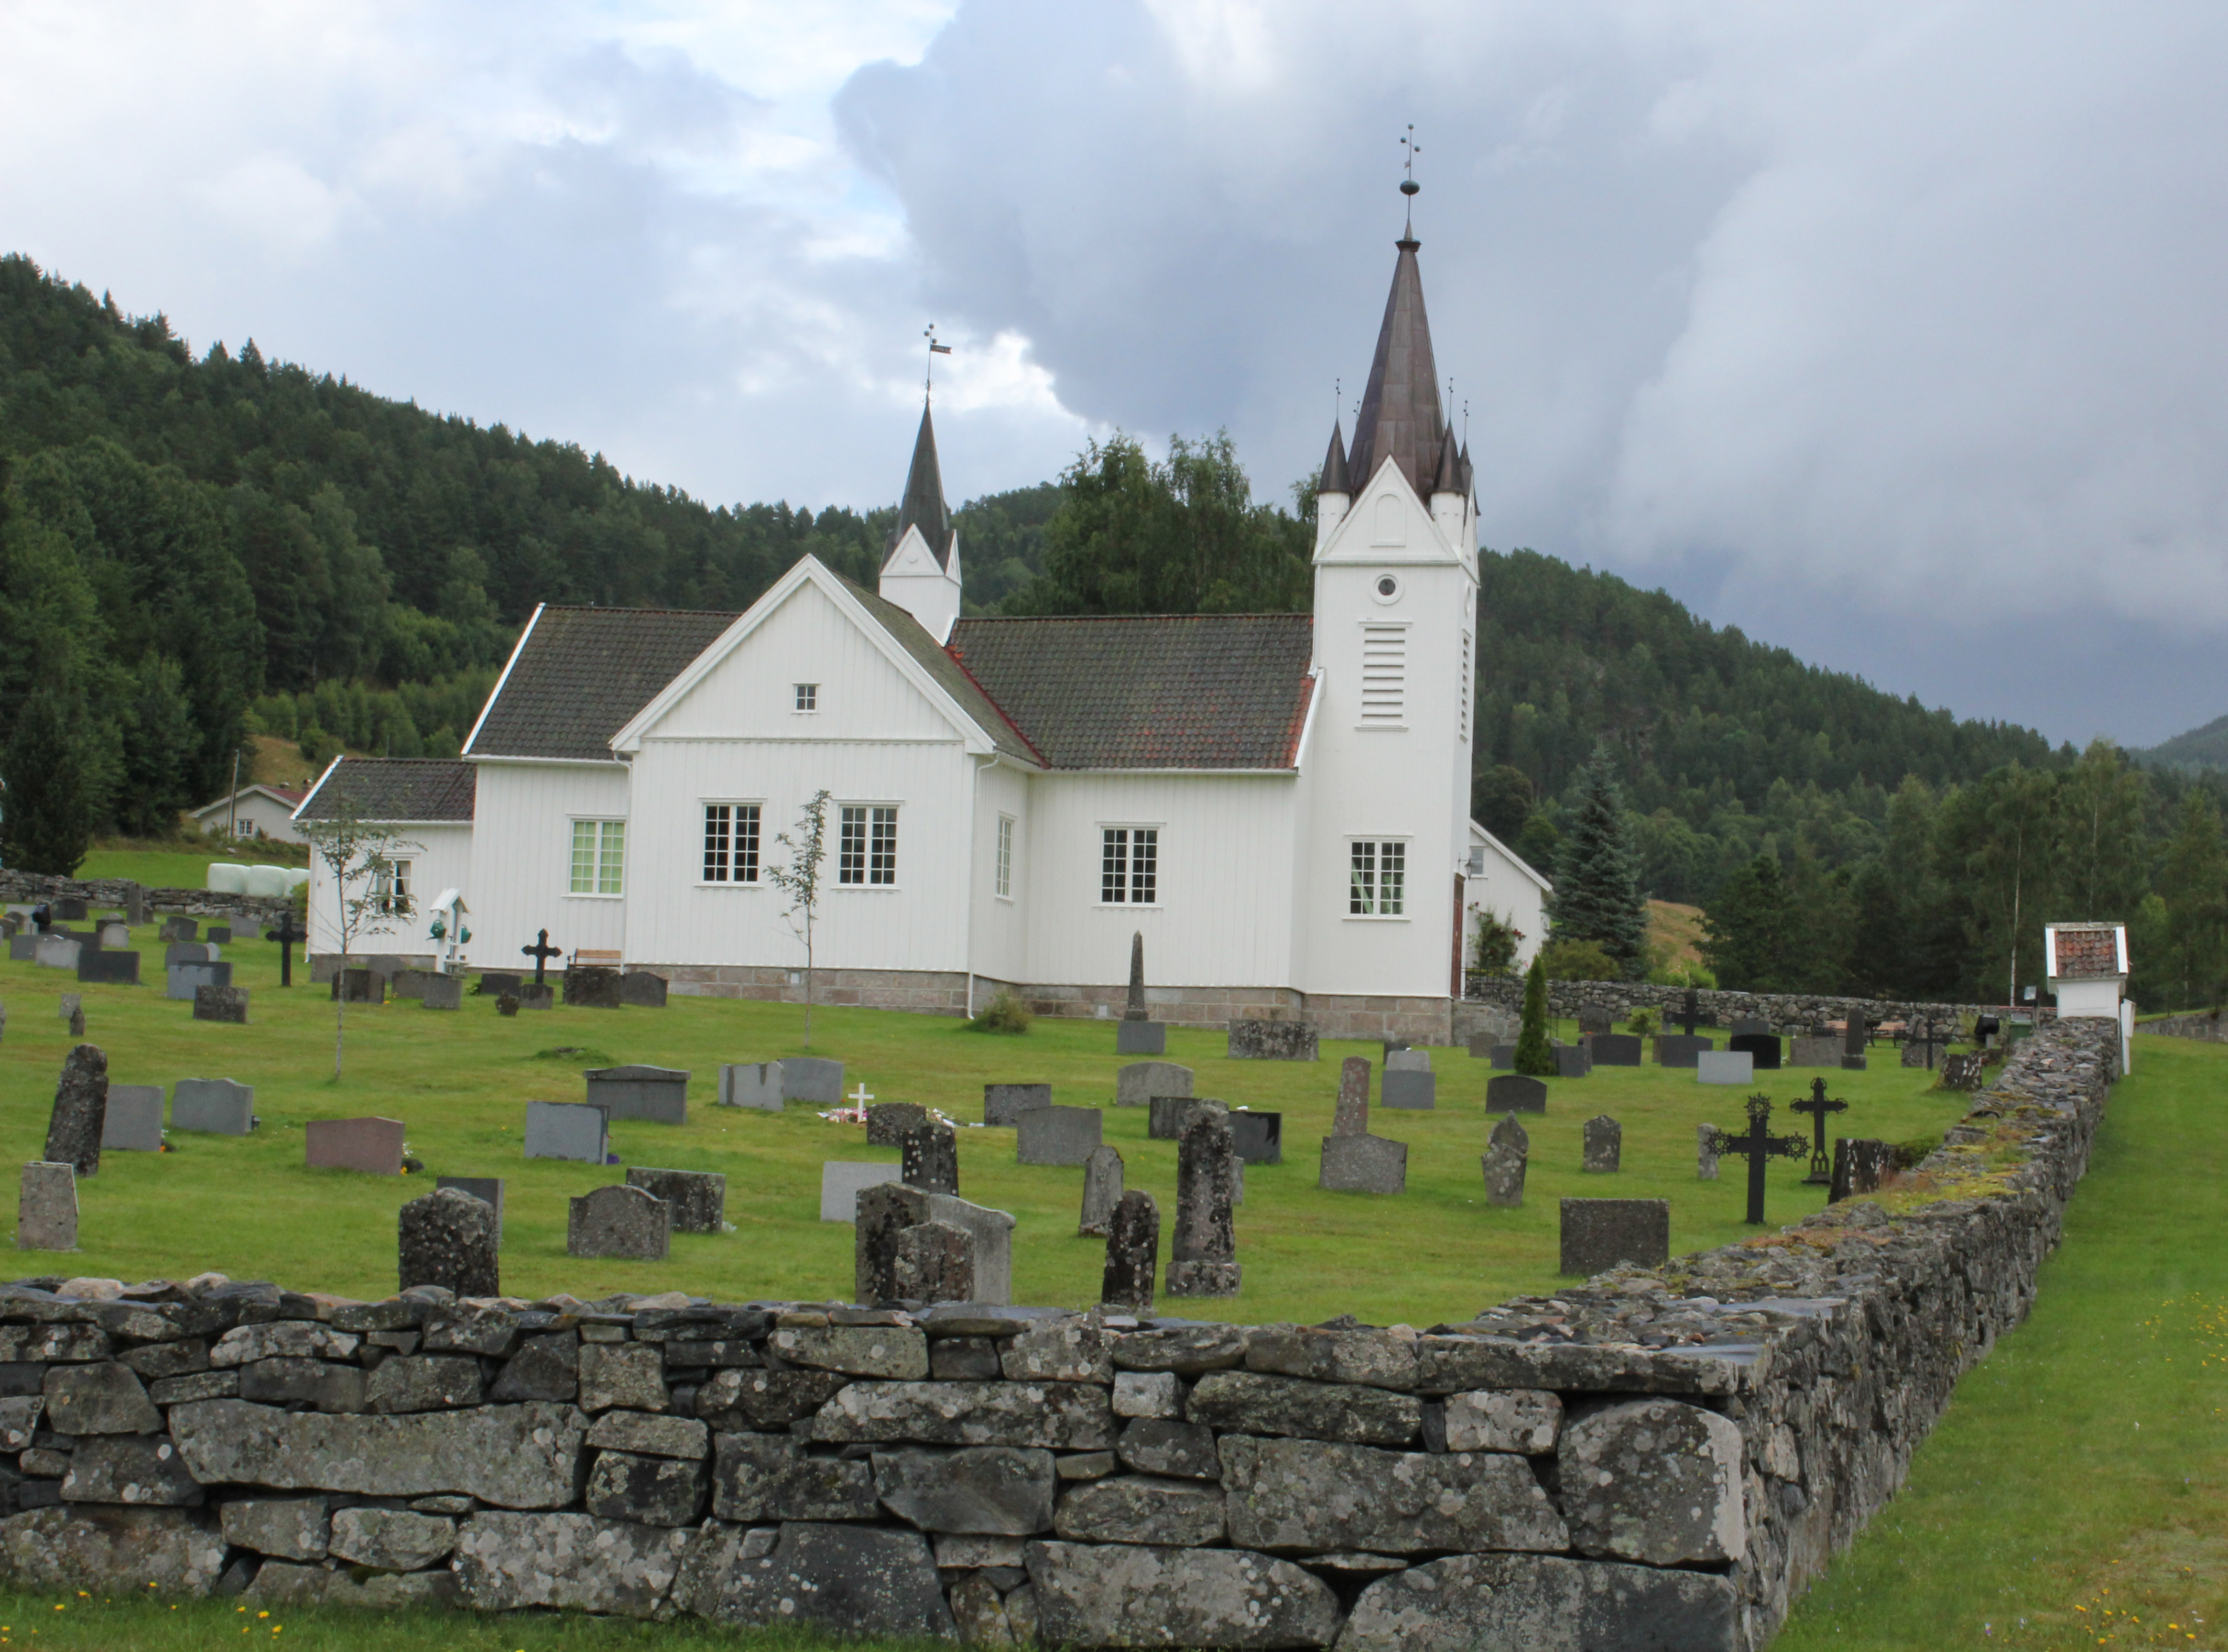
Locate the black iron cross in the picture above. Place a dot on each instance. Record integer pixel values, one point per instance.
(541, 952)
(1821, 1170)
(1687, 1014)
(286, 935)
(1760, 1145)
(1928, 1042)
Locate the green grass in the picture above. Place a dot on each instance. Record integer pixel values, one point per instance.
(2076, 1494)
(182, 863)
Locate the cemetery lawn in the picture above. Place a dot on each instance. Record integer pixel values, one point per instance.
(460, 1081)
(2076, 1494)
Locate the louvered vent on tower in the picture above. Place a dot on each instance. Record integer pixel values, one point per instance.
(1384, 674)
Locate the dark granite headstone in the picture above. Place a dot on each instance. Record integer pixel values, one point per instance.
(1270, 1040)
(1604, 1145)
(1679, 1049)
(1504, 1057)
(1258, 1139)
(109, 969)
(494, 981)
(1616, 1050)
(1745, 1026)
(219, 932)
(930, 1155)
(187, 953)
(1141, 1038)
(1762, 1048)
(888, 1121)
(221, 1004)
(1004, 1104)
(536, 995)
(359, 986)
(1204, 1259)
(178, 929)
(640, 989)
(659, 1095)
(1594, 1018)
(81, 1112)
(592, 989)
(1572, 1061)
(1513, 1092)
(1170, 1114)
(70, 910)
(409, 983)
(699, 1198)
(1599, 1234)
(442, 992)
(1133, 1253)
(451, 1240)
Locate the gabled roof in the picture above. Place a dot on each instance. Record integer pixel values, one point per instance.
(1481, 838)
(579, 675)
(923, 506)
(1177, 691)
(420, 790)
(2085, 951)
(287, 796)
(954, 679)
(1399, 417)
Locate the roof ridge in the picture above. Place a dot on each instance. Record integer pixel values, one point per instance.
(617, 608)
(1033, 620)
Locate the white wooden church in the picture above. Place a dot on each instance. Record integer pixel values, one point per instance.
(1278, 803)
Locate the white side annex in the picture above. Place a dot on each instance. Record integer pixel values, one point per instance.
(1277, 802)
(426, 807)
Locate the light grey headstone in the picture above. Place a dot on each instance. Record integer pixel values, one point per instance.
(134, 1120)
(751, 1084)
(1058, 1135)
(70, 1004)
(57, 952)
(1004, 1104)
(181, 979)
(217, 1105)
(188, 952)
(1406, 1089)
(840, 1180)
(1102, 1191)
(1135, 1084)
(409, 983)
(1408, 1060)
(1363, 1165)
(659, 1095)
(1725, 1066)
(23, 949)
(567, 1129)
(443, 991)
(46, 1214)
(1273, 1041)
(1807, 1051)
(619, 1220)
(808, 1078)
(114, 936)
(489, 1188)
(1141, 1038)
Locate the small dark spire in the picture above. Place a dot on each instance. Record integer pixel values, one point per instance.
(1450, 478)
(1334, 469)
(923, 504)
(1469, 476)
(1399, 417)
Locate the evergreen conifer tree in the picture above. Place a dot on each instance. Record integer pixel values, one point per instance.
(1534, 1055)
(1597, 873)
(49, 806)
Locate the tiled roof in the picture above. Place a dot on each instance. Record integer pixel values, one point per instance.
(913, 638)
(394, 788)
(582, 673)
(1175, 691)
(2088, 953)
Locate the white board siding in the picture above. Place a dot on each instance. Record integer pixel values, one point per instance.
(921, 924)
(1503, 887)
(441, 860)
(523, 860)
(1225, 860)
(1000, 943)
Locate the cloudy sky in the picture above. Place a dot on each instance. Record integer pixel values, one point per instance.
(1890, 332)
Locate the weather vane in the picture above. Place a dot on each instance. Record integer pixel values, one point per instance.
(935, 349)
(1465, 424)
(1408, 184)
(1337, 398)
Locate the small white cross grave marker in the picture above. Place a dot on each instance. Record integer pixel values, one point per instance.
(859, 1097)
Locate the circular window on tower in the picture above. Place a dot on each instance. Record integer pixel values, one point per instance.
(1386, 588)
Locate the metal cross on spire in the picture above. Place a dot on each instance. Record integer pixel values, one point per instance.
(935, 349)
(1412, 148)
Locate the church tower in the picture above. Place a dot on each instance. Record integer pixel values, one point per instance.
(1395, 620)
(921, 572)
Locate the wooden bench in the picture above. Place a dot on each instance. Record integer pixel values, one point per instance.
(586, 957)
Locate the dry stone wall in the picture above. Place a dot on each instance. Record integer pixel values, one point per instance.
(37, 888)
(1721, 1007)
(1660, 1459)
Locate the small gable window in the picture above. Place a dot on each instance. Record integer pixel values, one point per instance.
(1377, 884)
(1130, 866)
(866, 851)
(808, 696)
(730, 842)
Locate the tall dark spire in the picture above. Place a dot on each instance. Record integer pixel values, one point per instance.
(1399, 417)
(1334, 469)
(924, 505)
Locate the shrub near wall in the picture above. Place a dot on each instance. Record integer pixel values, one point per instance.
(1660, 1459)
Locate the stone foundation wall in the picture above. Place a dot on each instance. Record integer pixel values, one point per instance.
(2202, 1023)
(1566, 998)
(108, 895)
(1660, 1458)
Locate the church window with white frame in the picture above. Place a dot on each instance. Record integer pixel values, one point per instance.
(867, 845)
(808, 696)
(1130, 866)
(1004, 883)
(390, 888)
(1377, 884)
(730, 842)
(598, 857)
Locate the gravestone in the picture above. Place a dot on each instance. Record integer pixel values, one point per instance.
(221, 1004)
(1748, 1025)
(1616, 1050)
(1057, 1134)
(178, 929)
(112, 935)
(1762, 1048)
(1504, 1057)
(567, 1129)
(1004, 1104)
(536, 995)
(23, 949)
(443, 992)
(640, 989)
(1681, 1049)
(1515, 1093)
(1352, 1117)
(588, 988)
(188, 952)
(1810, 1050)
(216, 1106)
(1405, 1059)
(109, 969)
(219, 932)
(183, 980)
(1257, 1138)
(135, 905)
(1854, 1034)
(1706, 1152)
(1270, 1040)
(71, 1006)
(541, 952)
(1135, 1084)
(1204, 1256)
(1482, 1045)
(1963, 1070)
(359, 986)
(1818, 1105)
(488, 1189)
(449, 1239)
(1102, 1191)
(506, 1005)
(885, 1211)
(1572, 1061)
(70, 909)
(808, 1078)
(1604, 1145)
(1759, 1146)
(843, 1181)
(888, 1121)
(932, 1262)
(1362, 1163)
(80, 1110)
(617, 1220)
(1141, 1038)
(1861, 1166)
(1507, 1154)
(1594, 1018)
(1922, 1044)
(409, 983)
(1133, 1253)
(1408, 1090)
(658, 1095)
(371, 1145)
(133, 1120)
(1725, 1066)
(494, 982)
(929, 1157)
(698, 1198)
(57, 952)
(1170, 1114)
(751, 1084)
(1599, 1234)
(45, 1209)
